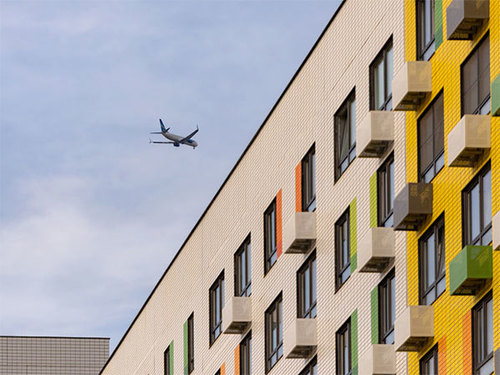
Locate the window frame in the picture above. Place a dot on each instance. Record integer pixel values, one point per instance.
(216, 326)
(270, 254)
(422, 51)
(190, 343)
(382, 56)
(385, 288)
(277, 304)
(435, 158)
(345, 329)
(385, 206)
(341, 268)
(166, 361)
(434, 354)
(346, 107)
(308, 180)
(466, 208)
(439, 259)
(246, 355)
(308, 369)
(311, 312)
(480, 308)
(242, 289)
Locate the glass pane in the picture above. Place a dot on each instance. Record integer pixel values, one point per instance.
(425, 141)
(489, 327)
(389, 74)
(273, 229)
(486, 199)
(306, 290)
(352, 122)
(379, 85)
(314, 281)
(391, 186)
(484, 69)
(344, 138)
(439, 163)
(474, 213)
(430, 258)
(487, 368)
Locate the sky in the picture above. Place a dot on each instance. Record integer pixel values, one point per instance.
(91, 214)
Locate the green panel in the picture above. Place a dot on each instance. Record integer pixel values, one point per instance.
(373, 201)
(171, 354)
(354, 342)
(438, 23)
(495, 96)
(186, 349)
(374, 314)
(470, 269)
(353, 234)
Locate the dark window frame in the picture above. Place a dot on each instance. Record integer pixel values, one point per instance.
(308, 183)
(466, 206)
(311, 311)
(424, 53)
(385, 205)
(345, 329)
(340, 269)
(382, 56)
(271, 352)
(166, 361)
(246, 355)
(216, 325)
(191, 343)
(471, 55)
(243, 288)
(433, 353)
(436, 158)
(386, 321)
(439, 260)
(270, 244)
(339, 116)
(481, 308)
(308, 370)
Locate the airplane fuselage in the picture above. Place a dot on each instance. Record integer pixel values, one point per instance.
(177, 138)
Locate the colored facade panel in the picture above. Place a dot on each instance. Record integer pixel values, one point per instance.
(373, 201)
(495, 96)
(353, 226)
(298, 187)
(354, 342)
(374, 315)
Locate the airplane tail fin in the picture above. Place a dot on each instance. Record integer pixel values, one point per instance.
(163, 127)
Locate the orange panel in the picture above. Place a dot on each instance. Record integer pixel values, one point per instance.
(298, 187)
(279, 234)
(223, 369)
(467, 343)
(442, 356)
(237, 360)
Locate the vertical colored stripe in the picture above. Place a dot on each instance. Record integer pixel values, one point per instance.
(442, 356)
(223, 369)
(237, 360)
(374, 314)
(354, 342)
(186, 349)
(467, 343)
(438, 23)
(171, 357)
(279, 234)
(298, 187)
(373, 201)
(353, 235)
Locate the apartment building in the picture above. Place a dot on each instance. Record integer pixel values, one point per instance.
(321, 252)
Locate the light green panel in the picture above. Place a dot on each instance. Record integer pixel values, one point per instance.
(353, 234)
(470, 269)
(374, 314)
(495, 96)
(171, 354)
(438, 23)
(373, 201)
(354, 342)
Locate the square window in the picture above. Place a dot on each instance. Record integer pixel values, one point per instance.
(387, 308)
(309, 181)
(216, 305)
(311, 368)
(425, 29)
(385, 181)
(306, 282)
(274, 333)
(381, 73)
(246, 355)
(482, 336)
(342, 250)
(243, 270)
(270, 248)
(429, 364)
(345, 135)
(190, 342)
(343, 354)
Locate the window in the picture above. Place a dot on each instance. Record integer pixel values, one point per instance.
(309, 181)
(381, 73)
(345, 135)
(476, 80)
(342, 250)
(432, 266)
(311, 368)
(190, 344)
(166, 362)
(343, 340)
(270, 249)
(243, 270)
(385, 179)
(431, 140)
(274, 333)
(387, 308)
(482, 336)
(425, 29)
(429, 363)
(218, 372)
(246, 355)
(477, 209)
(216, 305)
(306, 281)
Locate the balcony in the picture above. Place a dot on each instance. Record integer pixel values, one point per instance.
(465, 17)
(414, 327)
(495, 96)
(411, 84)
(496, 231)
(237, 315)
(470, 270)
(378, 360)
(375, 134)
(412, 206)
(300, 338)
(376, 250)
(299, 234)
(468, 140)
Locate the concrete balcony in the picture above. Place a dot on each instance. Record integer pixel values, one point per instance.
(300, 338)
(496, 231)
(411, 84)
(379, 359)
(465, 17)
(237, 315)
(414, 327)
(299, 234)
(495, 96)
(374, 134)
(468, 140)
(376, 250)
(470, 270)
(412, 206)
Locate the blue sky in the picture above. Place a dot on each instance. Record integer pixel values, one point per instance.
(91, 213)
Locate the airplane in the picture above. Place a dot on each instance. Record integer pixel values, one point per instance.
(176, 140)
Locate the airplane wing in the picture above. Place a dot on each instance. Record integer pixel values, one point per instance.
(189, 136)
(150, 141)
(156, 133)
